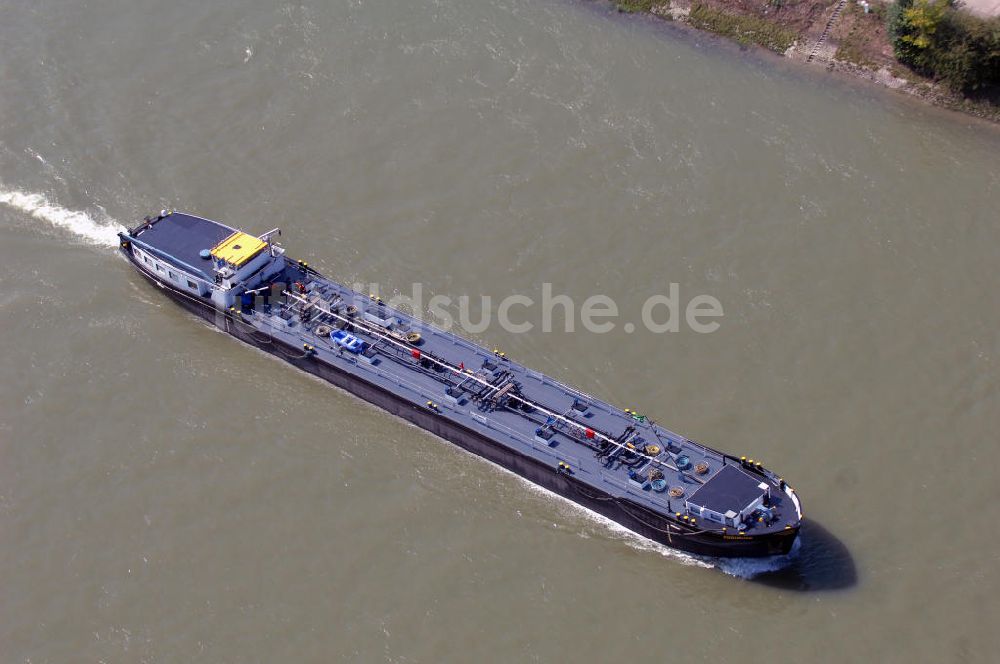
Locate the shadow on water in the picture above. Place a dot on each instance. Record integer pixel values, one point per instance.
(822, 562)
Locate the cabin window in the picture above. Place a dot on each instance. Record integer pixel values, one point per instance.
(146, 258)
(172, 275)
(159, 268)
(192, 285)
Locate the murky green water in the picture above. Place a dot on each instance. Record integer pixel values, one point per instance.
(167, 494)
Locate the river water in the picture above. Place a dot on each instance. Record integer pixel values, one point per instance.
(169, 495)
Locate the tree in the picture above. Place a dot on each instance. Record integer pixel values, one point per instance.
(953, 46)
(923, 18)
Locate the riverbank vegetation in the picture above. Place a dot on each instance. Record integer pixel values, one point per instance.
(633, 6)
(744, 29)
(946, 44)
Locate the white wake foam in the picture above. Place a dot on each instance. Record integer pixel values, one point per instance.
(748, 568)
(102, 232)
(612, 528)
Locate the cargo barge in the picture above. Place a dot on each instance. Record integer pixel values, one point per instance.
(616, 462)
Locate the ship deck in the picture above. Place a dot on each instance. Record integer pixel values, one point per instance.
(475, 397)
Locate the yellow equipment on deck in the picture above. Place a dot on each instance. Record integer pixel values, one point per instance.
(238, 248)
